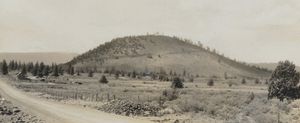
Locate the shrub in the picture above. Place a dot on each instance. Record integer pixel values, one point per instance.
(91, 74)
(177, 83)
(103, 80)
(283, 82)
(256, 81)
(210, 82)
(243, 81)
(171, 94)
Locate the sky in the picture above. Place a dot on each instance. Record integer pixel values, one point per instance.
(248, 30)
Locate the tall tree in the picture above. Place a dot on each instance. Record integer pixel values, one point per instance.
(35, 69)
(72, 72)
(4, 68)
(55, 71)
(61, 70)
(46, 70)
(41, 69)
(24, 70)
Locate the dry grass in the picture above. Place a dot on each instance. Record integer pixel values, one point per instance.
(218, 103)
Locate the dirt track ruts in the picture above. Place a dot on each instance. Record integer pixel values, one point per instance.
(55, 112)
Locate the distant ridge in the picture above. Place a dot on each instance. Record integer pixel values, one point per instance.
(159, 52)
(271, 66)
(46, 57)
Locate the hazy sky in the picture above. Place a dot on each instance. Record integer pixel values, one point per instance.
(249, 30)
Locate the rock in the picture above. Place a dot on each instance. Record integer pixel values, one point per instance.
(167, 111)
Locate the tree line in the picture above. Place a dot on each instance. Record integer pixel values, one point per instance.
(38, 69)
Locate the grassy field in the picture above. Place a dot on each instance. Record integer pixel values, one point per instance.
(227, 101)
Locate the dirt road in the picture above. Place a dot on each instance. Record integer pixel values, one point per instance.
(54, 112)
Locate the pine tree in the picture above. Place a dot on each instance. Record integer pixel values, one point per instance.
(35, 69)
(61, 70)
(72, 71)
(46, 70)
(29, 66)
(24, 70)
(11, 65)
(4, 68)
(55, 71)
(41, 69)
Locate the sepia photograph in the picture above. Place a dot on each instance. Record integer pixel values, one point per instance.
(149, 61)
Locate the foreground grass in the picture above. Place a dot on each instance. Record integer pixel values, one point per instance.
(196, 102)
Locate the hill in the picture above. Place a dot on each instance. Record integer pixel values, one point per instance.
(162, 53)
(46, 57)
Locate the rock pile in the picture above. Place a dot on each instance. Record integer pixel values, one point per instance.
(12, 114)
(129, 108)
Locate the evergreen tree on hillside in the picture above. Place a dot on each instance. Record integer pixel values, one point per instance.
(4, 68)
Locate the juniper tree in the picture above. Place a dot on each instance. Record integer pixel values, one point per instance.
(210, 82)
(284, 81)
(243, 81)
(103, 80)
(256, 81)
(177, 83)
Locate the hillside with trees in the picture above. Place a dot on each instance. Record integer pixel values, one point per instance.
(162, 54)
